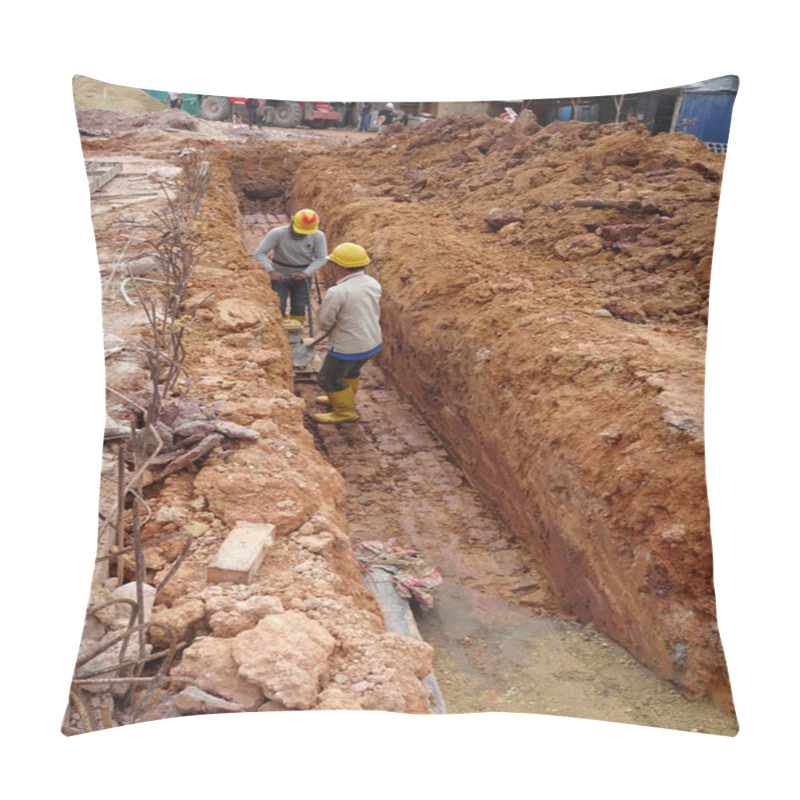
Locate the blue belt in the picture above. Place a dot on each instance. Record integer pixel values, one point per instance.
(354, 356)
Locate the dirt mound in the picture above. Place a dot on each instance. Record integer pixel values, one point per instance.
(89, 93)
(609, 209)
(116, 122)
(545, 303)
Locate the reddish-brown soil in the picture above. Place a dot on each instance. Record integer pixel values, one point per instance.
(558, 352)
(545, 297)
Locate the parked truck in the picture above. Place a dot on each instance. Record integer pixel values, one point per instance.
(282, 113)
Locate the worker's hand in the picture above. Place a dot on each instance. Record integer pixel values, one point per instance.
(299, 276)
(275, 276)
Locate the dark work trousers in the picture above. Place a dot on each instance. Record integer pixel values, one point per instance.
(334, 369)
(298, 291)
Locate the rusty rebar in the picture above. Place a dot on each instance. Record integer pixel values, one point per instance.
(124, 635)
(94, 677)
(178, 246)
(125, 664)
(176, 564)
(137, 543)
(134, 681)
(82, 707)
(137, 474)
(120, 509)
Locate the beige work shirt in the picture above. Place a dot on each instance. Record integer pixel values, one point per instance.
(351, 310)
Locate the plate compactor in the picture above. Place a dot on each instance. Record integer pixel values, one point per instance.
(305, 359)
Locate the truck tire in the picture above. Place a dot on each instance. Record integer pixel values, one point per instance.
(216, 108)
(287, 115)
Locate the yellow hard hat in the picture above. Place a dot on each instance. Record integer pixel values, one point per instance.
(349, 255)
(305, 221)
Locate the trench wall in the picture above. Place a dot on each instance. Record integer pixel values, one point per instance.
(323, 621)
(561, 418)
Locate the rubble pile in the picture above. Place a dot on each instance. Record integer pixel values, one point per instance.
(305, 633)
(101, 121)
(609, 210)
(187, 431)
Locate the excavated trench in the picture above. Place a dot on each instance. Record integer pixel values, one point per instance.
(500, 642)
(557, 347)
(546, 458)
(503, 639)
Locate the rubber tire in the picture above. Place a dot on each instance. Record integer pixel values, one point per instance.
(216, 108)
(287, 115)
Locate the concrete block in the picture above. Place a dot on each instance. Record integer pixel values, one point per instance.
(241, 554)
(99, 174)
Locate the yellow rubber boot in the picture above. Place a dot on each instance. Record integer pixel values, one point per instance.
(351, 382)
(344, 407)
(296, 318)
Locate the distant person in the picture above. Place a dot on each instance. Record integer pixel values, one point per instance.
(365, 118)
(252, 105)
(386, 115)
(350, 313)
(174, 99)
(508, 115)
(291, 254)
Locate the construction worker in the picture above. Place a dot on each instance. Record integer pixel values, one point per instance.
(387, 114)
(386, 117)
(350, 316)
(291, 255)
(364, 119)
(253, 117)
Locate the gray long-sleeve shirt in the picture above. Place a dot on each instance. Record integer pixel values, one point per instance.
(279, 251)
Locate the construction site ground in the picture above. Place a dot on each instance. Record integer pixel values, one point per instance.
(531, 335)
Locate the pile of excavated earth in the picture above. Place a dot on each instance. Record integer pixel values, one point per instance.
(546, 300)
(545, 306)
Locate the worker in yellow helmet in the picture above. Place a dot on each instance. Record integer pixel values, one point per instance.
(350, 315)
(291, 254)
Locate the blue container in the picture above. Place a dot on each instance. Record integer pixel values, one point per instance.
(706, 116)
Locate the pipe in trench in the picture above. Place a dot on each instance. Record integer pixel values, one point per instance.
(399, 618)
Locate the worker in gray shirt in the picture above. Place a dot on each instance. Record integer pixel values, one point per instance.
(291, 255)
